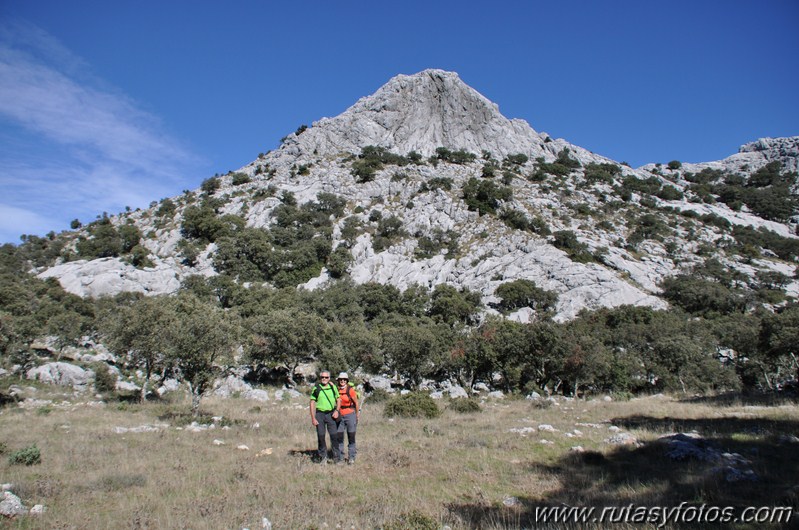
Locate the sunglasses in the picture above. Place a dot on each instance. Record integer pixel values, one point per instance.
(324, 377)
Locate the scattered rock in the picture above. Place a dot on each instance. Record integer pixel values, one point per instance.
(242, 447)
(685, 446)
(480, 387)
(511, 501)
(197, 427)
(11, 505)
(496, 394)
(126, 386)
(546, 428)
(533, 396)
(522, 430)
(219, 442)
(577, 449)
(142, 428)
(38, 509)
(622, 438)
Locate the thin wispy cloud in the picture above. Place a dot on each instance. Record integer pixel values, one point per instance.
(110, 153)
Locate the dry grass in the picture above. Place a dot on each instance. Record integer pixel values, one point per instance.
(455, 470)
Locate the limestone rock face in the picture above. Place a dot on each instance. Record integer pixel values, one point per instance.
(109, 276)
(419, 113)
(433, 109)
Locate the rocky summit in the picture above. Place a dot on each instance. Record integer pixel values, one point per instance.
(425, 182)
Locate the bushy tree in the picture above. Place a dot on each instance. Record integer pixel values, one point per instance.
(413, 348)
(141, 330)
(286, 338)
(525, 293)
(484, 196)
(701, 296)
(451, 305)
(200, 344)
(779, 338)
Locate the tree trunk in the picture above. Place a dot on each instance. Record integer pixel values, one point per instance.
(147, 370)
(195, 403)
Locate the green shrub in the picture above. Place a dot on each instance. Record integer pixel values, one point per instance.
(378, 395)
(237, 179)
(414, 520)
(525, 293)
(669, 193)
(436, 183)
(372, 159)
(28, 456)
(674, 164)
(601, 172)
(104, 379)
(454, 157)
(484, 196)
(167, 209)
(413, 405)
(433, 244)
(567, 240)
(464, 406)
(210, 185)
(518, 160)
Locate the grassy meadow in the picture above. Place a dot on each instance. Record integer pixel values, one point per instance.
(461, 470)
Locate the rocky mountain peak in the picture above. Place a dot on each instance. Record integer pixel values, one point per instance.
(419, 112)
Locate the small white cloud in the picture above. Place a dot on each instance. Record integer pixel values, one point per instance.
(111, 154)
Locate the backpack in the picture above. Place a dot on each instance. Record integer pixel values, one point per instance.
(358, 396)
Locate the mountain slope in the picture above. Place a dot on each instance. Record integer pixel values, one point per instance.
(436, 186)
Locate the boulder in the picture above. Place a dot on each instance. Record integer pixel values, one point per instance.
(11, 505)
(378, 381)
(62, 374)
(231, 385)
(256, 394)
(170, 385)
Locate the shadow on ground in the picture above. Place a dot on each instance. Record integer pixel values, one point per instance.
(739, 462)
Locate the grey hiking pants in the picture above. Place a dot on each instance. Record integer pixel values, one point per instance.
(348, 423)
(327, 423)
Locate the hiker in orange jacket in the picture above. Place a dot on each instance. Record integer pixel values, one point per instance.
(350, 414)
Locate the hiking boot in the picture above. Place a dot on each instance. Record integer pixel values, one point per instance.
(323, 461)
(351, 461)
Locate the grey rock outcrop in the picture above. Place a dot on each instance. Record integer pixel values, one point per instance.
(63, 374)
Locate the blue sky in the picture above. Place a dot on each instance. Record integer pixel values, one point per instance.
(105, 105)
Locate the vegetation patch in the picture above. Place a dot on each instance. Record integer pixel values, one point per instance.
(28, 456)
(413, 405)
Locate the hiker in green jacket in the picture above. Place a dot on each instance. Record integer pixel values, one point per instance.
(325, 414)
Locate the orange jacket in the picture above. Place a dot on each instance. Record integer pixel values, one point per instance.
(349, 400)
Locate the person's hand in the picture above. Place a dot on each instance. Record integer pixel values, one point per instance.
(314, 422)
